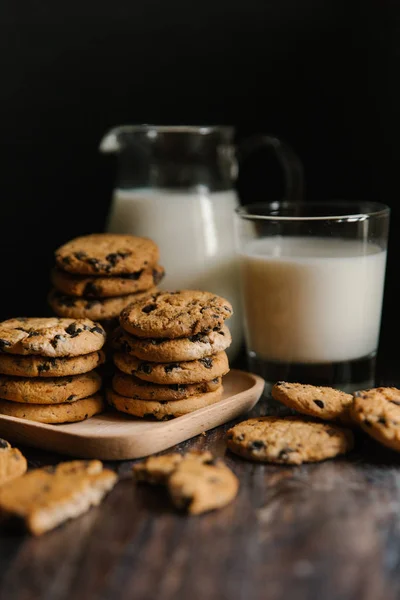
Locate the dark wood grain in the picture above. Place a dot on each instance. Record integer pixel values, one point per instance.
(328, 531)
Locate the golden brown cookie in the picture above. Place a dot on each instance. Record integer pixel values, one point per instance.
(107, 254)
(41, 366)
(175, 314)
(133, 387)
(163, 409)
(172, 350)
(289, 441)
(323, 402)
(157, 469)
(198, 486)
(54, 413)
(53, 390)
(51, 336)
(196, 481)
(193, 371)
(377, 411)
(46, 497)
(97, 309)
(105, 287)
(12, 463)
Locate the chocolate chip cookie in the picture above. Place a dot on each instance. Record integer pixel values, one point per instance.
(41, 366)
(193, 371)
(323, 402)
(196, 482)
(105, 287)
(12, 463)
(163, 409)
(53, 390)
(107, 254)
(96, 309)
(52, 336)
(46, 497)
(133, 387)
(172, 350)
(289, 441)
(377, 411)
(54, 413)
(175, 314)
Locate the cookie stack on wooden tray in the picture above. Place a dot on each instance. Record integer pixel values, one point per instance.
(170, 354)
(47, 369)
(97, 275)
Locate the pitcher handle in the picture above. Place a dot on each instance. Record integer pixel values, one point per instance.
(288, 159)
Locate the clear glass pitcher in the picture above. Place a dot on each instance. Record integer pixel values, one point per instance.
(175, 184)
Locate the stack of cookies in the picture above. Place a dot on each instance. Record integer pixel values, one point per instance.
(97, 275)
(170, 354)
(47, 369)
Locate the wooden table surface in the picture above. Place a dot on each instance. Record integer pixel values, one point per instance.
(328, 531)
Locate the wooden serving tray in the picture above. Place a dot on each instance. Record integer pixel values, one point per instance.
(115, 436)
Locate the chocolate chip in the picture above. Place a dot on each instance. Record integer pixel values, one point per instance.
(3, 443)
(145, 368)
(319, 403)
(199, 337)
(67, 301)
(94, 263)
(97, 329)
(114, 257)
(43, 368)
(134, 276)
(149, 308)
(331, 432)
(73, 330)
(240, 437)
(284, 453)
(177, 387)
(86, 416)
(33, 334)
(207, 362)
(66, 260)
(91, 289)
(169, 368)
(4, 344)
(80, 255)
(229, 436)
(382, 421)
(157, 276)
(56, 339)
(256, 445)
(71, 398)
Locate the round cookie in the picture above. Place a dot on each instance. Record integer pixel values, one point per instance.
(96, 309)
(175, 314)
(289, 441)
(162, 410)
(51, 336)
(132, 387)
(194, 371)
(323, 402)
(54, 413)
(377, 411)
(41, 366)
(105, 287)
(107, 254)
(49, 391)
(172, 350)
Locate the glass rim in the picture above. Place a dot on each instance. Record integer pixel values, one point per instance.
(341, 209)
(149, 127)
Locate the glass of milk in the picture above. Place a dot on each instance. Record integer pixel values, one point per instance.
(175, 185)
(312, 280)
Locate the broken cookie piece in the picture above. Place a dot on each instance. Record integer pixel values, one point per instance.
(196, 481)
(44, 498)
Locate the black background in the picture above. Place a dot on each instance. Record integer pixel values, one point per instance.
(322, 75)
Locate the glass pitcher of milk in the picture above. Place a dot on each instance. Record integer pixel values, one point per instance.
(175, 185)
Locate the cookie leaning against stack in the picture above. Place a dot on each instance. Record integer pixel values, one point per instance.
(97, 275)
(170, 354)
(47, 369)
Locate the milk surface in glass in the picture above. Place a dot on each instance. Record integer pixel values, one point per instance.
(311, 299)
(195, 235)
